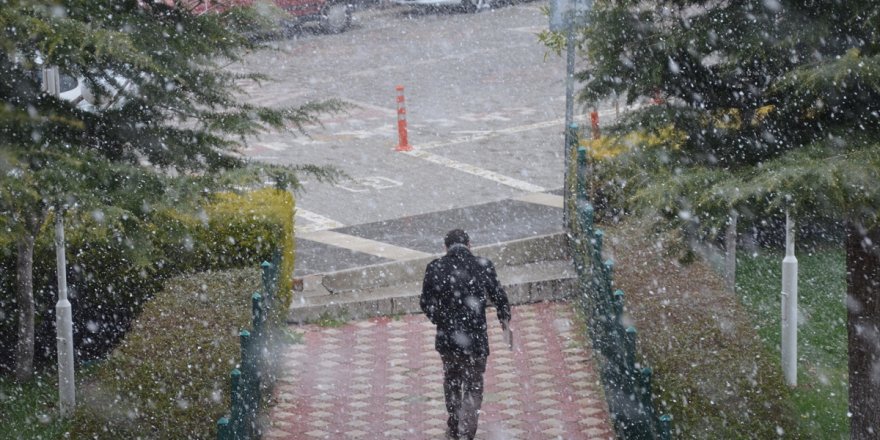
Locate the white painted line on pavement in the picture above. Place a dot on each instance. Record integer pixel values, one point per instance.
(274, 146)
(542, 199)
(529, 29)
(510, 130)
(488, 134)
(363, 245)
(386, 110)
(476, 171)
(318, 222)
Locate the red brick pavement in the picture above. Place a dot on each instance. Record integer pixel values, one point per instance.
(382, 379)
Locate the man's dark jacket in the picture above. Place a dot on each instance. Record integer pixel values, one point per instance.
(454, 297)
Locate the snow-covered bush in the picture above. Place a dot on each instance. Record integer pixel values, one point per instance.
(116, 265)
(169, 377)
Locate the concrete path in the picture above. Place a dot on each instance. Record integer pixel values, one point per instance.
(382, 379)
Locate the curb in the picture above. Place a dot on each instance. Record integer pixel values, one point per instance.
(531, 270)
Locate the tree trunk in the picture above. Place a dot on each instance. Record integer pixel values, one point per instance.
(730, 252)
(863, 330)
(24, 286)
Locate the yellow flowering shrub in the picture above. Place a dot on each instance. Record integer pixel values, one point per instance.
(608, 147)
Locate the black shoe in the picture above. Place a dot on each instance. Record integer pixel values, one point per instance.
(451, 434)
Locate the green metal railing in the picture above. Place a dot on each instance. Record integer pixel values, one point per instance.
(627, 382)
(249, 381)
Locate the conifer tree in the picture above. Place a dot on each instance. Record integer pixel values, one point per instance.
(765, 105)
(164, 107)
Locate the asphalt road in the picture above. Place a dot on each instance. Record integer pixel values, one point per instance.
(485, 106)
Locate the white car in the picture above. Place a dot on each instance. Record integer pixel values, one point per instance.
(77, 92)
(467, 5)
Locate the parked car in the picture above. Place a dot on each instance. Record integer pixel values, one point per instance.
(76, 90)
(333, 16)
(467, 5)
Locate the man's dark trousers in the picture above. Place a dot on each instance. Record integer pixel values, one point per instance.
(463, 387)
(455, 293)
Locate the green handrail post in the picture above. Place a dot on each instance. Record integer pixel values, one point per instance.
(584, 296)
(631, 382)
(573, 134)
(250, 383)
(223, 429)
(603, 298)
(581, 241)
(581, 195)
(267, 278)
(647, 396)
(595, 262)
(245, 381)
(258, 340)
(584, 238)
(237, 411)
(608, 268)
(610, 318)
(258, 317)
(571, 141)
(586, 215)
(665, 427)
(618, 304)
(267, 359)
(630, 348)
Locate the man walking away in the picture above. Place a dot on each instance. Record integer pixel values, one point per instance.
(455, 292)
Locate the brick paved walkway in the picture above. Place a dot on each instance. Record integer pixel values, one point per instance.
(382, 379)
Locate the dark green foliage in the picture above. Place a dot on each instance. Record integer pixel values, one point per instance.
(765, 106)
(163, 98)
(157, 70)
(777, 103)
(164, 129)
(169, 378)
(116, 265)
(712, 372)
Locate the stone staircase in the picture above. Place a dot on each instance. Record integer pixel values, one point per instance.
(531, 270)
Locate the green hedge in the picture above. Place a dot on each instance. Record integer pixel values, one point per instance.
(712, 372)
(117, 263)
(169, 378)
(257, 207)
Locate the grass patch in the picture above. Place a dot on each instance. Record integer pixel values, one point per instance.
(712, 371)
(30, 410)
(328, 320)
(169, 378)
(291, 337)
(821, 395)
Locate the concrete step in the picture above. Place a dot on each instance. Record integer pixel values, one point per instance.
(531, 270)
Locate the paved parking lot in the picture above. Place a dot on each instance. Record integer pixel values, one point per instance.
(485, 107)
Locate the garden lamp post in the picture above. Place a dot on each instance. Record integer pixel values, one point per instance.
(565, 16)
(789, 306)
(64, 324)
(63, 311)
